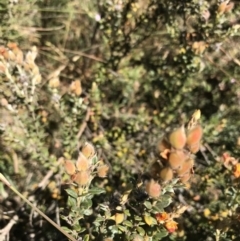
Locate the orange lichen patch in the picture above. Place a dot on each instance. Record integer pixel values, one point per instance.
(69, 167)
(178, 138)
(82, 163)
(236, 172)
(194, 135)
(162, 217)
(166, 174)
(171, 226)
(153, 189)
(177, 158)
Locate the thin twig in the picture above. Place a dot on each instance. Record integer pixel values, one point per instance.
(43, 183)
(4, 233)
(7, 183)
(84, 124)
(204, 155)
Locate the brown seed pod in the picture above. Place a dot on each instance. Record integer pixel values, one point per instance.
(177, 158)
(153, 189)
(163, 145)
(194, 148)
(185, 178)
(194, 135)
(186, 167)
(82, 162)
(88, 150)
(102, 171)
(178, 138)
(166, 174)
(69, 167)
(81, 178)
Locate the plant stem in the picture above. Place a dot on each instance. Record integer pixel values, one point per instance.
(4, 180)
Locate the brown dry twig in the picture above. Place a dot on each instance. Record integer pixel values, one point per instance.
(4, 233)
(84, 124)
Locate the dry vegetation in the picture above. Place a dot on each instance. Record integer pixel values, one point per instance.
(126, 76)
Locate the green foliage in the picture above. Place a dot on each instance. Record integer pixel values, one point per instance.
(120, 74)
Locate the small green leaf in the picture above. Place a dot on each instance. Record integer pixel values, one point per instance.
(148, 205)
(86, 237)
(94, 160)
(127, 223)
(71, 193)
(88, 212)
(67, 229)
(72, 202)
(86, 204)
(141, 231)
(137, 218)
(77, 227)
(160, 234)
(96, 190)
(122, 228)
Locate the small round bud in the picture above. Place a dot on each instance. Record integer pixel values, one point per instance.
(194, 135)
(185, 178)
(178, 138)
(69, 167)
(88, 150)
(82, 178)
(176, 159)
(153, 189)
(166, 174)
(82, 163)
(186, 167)
(102, 171)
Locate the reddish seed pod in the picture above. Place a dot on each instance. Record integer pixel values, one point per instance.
(194, 135)
(186, 177)
(194, 148)
(153, 189)
(88, 150)
(177, 158)
(102, 171)
(82, 163)
(186, 167)
(82, 178)
(69, 167)
(178, 138)
(166, 174)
